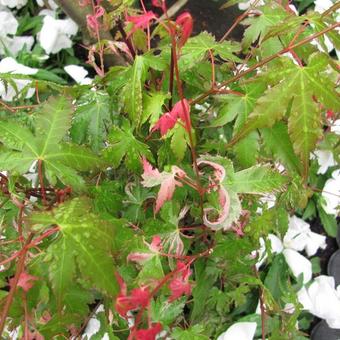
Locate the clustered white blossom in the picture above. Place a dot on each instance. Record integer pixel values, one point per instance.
(7, 91)
(9, 43)
(56, 34)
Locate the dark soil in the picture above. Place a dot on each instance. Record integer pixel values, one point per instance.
(209, 17)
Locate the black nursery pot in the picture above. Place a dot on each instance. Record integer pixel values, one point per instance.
(323, 332)
(333, 267)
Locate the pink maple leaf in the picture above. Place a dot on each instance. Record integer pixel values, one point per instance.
(150, 333)
(186, 23)
(224, 201)
(180, 285)
(149, 174)
(26, 281)
(156, 244)
(140, 21)
(168, 186)
(139, 297)
(154, 247)
(219, 171)
(92, 19)
(152, 177)
(169, 119)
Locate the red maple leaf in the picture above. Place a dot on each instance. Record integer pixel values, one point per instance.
(168, 120)
(148, 334)
(180, 285)
(186, 23)
(26, 281)
(140, 21)
(159, 3)
(139, 297)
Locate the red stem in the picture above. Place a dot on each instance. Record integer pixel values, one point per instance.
(14, 283)
(263, 62)
(187, 121)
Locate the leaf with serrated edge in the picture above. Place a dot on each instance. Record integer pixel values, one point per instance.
(256, 180)
(53, 121)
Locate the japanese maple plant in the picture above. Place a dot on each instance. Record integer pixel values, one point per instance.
(146, 191)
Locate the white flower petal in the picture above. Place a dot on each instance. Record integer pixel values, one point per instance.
(299, 237)
(9, 65)
(276, 248)
(18, 43)
(335, 127)
(322, 5)
(13, 3)
(304, 299)
(325, 160)
(325, 302)
(55, 34)
(51, 4)
(78, 73)
(298, 264)
(243, 6)
(8, 23)
(239, 331)
(92, 328)
(331, 194)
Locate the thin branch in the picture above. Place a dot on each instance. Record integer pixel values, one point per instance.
(14, 283)
(264, 62)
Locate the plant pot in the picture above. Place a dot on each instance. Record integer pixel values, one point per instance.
(333, 267)
(323, 332)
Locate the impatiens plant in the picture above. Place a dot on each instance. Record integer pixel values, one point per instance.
(166, 195)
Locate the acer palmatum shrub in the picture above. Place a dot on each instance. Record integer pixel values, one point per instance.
(166, 197)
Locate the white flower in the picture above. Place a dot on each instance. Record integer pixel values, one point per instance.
(13, 3)
(8, 23)
(55, 34)
(275, 245)
(78, 73)
(331, 194)
(239, 331)
(322, 5)
(268, 199)
(298, 264)
(299, 237)
(51, 4)
(16, 44)
(325, 160)
(93, 326)
(243, 6)
(9, 65)
(322, 300)
(335, 127)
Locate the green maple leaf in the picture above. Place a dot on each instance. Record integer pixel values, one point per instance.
(277, 140)
(197, 48)
(260, 25)
(92, 120)
(60, 160)
(85, 243)
(124, 145)
(256, 180)
(293, 90)
(152, 106)
(239, 106)
(132, 91)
